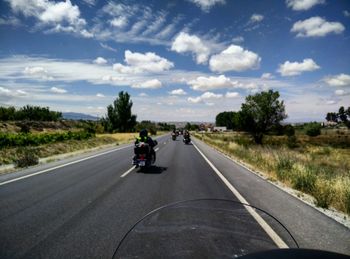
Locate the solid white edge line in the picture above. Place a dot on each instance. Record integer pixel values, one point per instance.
(60, 166)
(127, 172)
(272, 234)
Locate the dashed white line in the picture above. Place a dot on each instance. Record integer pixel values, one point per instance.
(156, 149)
(127, 172)
(273, 235)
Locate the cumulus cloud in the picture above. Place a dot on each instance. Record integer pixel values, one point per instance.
(178, 92)
(340, 92)
(139, 63)
(346, 13)
(231, 94)
(185, 42)
(296, 68)
(143, 95)
(150, 84)
(267, 76)
(60, 16)
(100, 61)
(4, 90)
(302, 5)
(58, 90)
(234, 58)
(338, 80)
(206, 5)
(119, 22)
(100, 95)
(316, 27)
(256, 18)
(207, 96)
(202, 83)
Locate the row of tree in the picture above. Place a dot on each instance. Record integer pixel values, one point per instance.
(28, 112)
(343, 115)
(259, 114)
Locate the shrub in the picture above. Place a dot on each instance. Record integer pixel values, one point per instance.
(284, 167)
(347, 200)
(323, 194)
(313, 129)
(304, 180)
(289, 130)
(27, 157)
(292, 141)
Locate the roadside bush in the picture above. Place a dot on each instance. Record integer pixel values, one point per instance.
(304, 180)
(284, 167)
(313, 129)
(347, 200)
(26, 157)
(289, 130)
(323, 194)
(292, 141)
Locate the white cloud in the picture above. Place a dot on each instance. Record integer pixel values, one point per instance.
(295, 68)
(150, 84)
(210, 95)
(143, 95)
(338, 80)
(205, 97)
(231, 94)
(138, 63)
(267, 76)
(185, 42)
(331, 102)
(4, 90)
(100, 95)
(302, 5)
(256, 18)
(346, 13)
(205, 5)
(58, 16)
(107, 47)
(194, 99)
(316, 27)
(58, 90)
(178, 92)
(21, 92)
(238, 40)
(207, 83)
(10, 20)
(100, 61)
(119, 22)
(234, 58)
(34, 71)
(340, 92)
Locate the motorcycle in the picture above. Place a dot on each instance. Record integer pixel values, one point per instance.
(187, 140)
(211, 228)
(144, 155)
(173, 136)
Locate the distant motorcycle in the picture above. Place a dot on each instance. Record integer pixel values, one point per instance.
(144, 155)
(187, 140)
(173, 136)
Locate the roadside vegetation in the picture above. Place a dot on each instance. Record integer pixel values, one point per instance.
(309, 157)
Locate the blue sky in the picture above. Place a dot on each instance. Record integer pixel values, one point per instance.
(181, 60)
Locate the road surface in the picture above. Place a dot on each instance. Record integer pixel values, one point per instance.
(81, 207)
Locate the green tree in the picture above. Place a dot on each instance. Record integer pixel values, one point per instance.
(119, 117)
(224, 119)
(261, 112)
(313, 129)
(332, 116)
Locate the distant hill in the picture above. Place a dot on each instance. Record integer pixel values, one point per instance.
(78, 116)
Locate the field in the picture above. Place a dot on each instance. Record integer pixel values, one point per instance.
(319, 166)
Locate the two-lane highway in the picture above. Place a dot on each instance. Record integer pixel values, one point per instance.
(83, 209)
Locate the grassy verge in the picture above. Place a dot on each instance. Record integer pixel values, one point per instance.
(322, 171)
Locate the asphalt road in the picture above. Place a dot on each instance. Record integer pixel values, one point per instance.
(82, 210)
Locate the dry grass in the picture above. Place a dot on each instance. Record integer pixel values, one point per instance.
(317, 169)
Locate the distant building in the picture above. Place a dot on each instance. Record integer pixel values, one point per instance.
(219, 129)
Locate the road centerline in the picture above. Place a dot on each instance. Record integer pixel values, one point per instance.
(127, 172)
(265, 226)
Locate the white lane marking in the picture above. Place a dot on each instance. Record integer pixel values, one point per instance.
(127, 172)
(60, 166)
(156, 149)
(164, 143)
(273, 235)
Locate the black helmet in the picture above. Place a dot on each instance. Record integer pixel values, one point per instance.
(143, 133)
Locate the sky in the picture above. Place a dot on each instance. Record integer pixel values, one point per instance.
(180, 60)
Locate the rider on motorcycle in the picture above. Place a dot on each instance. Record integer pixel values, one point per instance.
(187, 134)
(143, 137)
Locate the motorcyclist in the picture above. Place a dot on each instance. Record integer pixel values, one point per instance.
(187, 134)
(143, 137)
